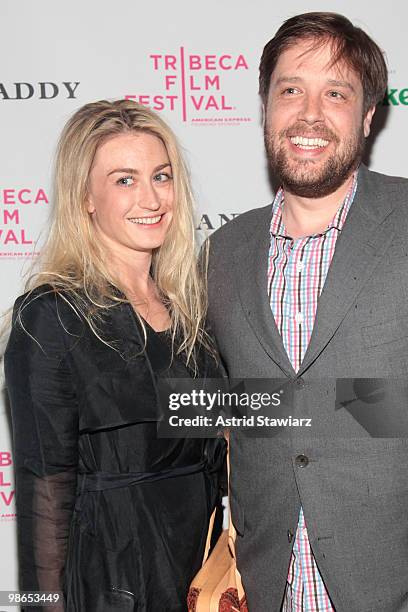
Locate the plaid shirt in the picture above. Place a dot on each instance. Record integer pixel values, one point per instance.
(297, 272)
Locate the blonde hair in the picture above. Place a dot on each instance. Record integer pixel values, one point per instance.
(73, 260)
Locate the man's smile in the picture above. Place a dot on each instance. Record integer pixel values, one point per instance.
(308, 143)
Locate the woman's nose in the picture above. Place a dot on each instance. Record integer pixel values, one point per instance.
(148, 197)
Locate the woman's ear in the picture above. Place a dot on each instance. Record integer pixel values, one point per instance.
(89, 206)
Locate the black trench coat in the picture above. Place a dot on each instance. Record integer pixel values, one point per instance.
(107, 512)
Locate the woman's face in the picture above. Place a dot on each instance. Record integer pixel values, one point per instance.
(131, 193)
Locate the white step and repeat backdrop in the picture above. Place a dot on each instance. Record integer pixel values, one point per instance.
(195, 63)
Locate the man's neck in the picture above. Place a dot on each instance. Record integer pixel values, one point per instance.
(308, 216)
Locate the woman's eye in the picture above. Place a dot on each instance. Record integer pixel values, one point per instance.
(126, 180)
(162, 177)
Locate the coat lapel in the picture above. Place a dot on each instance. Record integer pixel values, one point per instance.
(251, 276)
(364, 239)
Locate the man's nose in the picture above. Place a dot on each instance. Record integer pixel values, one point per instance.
(311, 110)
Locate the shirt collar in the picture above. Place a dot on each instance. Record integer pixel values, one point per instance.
(277, 227)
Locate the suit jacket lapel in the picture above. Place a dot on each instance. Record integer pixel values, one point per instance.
(251, 276)
(365, 237)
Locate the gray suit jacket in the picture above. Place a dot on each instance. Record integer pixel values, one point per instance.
(354, 489)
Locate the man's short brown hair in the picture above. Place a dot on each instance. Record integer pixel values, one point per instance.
(350, 45)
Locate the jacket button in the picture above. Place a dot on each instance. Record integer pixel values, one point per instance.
(290, 535)
(300, 383)
(301, 461)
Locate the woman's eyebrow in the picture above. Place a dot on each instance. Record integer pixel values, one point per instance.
(134, 171)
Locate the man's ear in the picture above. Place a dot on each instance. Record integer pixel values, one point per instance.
(263, 113)
(367, 120)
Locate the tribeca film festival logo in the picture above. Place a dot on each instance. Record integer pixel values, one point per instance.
(195, 87)
(16, 239)
(7, 492)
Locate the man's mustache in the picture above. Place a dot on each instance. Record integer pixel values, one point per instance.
(318, 131)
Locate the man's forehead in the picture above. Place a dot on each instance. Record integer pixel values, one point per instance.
(308, 55)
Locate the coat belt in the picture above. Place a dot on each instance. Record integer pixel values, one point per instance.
(102, 481)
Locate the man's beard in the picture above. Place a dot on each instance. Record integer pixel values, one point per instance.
(303, 177)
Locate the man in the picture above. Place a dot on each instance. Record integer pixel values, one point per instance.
(312, 289)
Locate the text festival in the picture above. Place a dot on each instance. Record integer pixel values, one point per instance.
(13, 201)
(192, 80)
(6, 491)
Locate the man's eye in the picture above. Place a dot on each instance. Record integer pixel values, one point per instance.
(290, 90)
(162, 177)
(336, 94)
(126, 180)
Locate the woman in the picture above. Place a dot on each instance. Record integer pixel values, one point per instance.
(108, 513)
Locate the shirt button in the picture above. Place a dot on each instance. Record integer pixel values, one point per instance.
(290, 535)
(299, 266)
(299, 317)
(301, 461)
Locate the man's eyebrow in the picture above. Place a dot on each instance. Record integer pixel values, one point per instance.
(288, 79)
(134, 171)
(345, 84)
(333, 82)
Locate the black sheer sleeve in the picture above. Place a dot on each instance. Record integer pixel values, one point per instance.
(45, 432)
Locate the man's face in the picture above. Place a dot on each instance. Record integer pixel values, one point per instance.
(314, 122)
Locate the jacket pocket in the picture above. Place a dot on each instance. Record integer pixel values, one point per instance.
(385, 332)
